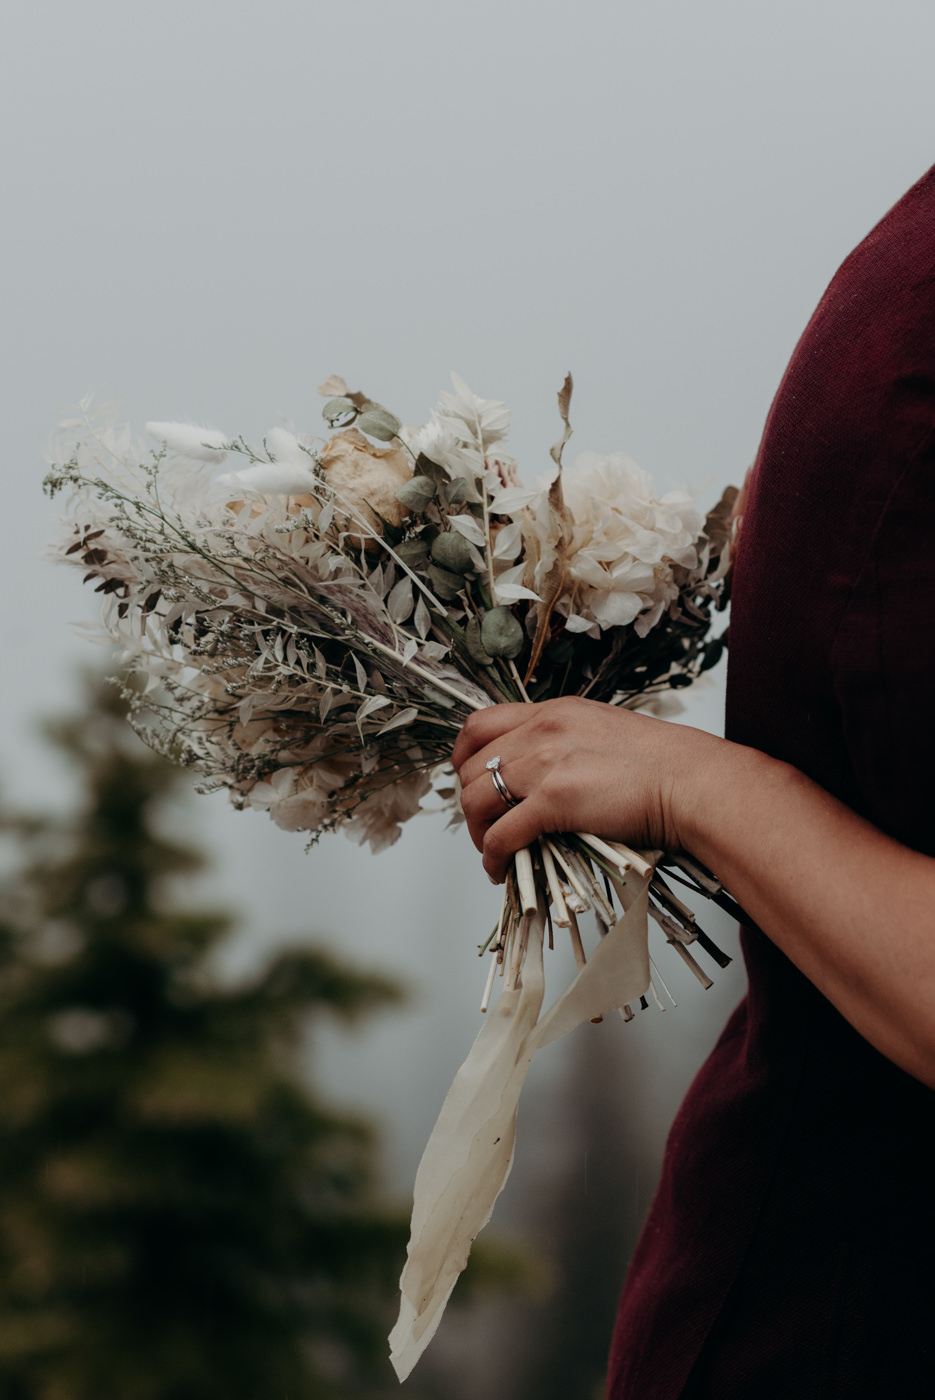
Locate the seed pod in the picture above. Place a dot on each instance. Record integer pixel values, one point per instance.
(501, 634)
(339, 412)
(417, 494)
(452, 552)
(379, 423)
(475, 647)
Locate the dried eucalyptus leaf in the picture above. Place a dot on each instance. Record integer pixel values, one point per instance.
(475, 647)
(502, 634)
(412, 552)
(457, 491)
(379, 423)
(338, 413)
(426, 467)
(452, 552)
(417, 493)
(445, 584)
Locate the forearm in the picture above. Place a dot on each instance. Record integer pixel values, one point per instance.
(852, 908)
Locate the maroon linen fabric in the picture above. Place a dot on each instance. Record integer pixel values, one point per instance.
(790, 1250)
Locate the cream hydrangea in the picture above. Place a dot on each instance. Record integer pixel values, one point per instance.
(302, 797)
(626, 543)
(378, 820)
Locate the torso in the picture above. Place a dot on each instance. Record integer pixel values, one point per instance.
(790, 1249)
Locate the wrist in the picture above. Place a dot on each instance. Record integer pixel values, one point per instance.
(712, 789)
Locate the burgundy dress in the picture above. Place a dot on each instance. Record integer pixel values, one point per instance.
(790, 1250)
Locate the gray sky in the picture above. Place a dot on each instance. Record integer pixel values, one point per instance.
(209, 207)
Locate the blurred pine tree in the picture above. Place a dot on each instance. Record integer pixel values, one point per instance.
(181, 1218)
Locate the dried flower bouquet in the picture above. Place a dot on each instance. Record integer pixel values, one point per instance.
(309, 630)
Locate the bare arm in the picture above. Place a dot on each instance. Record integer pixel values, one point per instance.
(852, 908)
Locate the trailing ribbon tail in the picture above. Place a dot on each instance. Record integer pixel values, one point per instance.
(470, 1152)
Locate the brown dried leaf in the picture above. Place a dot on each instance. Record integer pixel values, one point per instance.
(719, 529)
(564, 403)
(561, 535)
(719, 522)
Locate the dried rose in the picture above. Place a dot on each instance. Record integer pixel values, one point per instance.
(366, 478)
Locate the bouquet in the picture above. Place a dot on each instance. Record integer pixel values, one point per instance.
(307, 625)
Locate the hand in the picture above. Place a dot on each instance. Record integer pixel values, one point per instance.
(573, 765)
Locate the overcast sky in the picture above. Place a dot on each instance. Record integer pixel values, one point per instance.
(210, 206)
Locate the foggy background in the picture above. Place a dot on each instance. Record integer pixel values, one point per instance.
(209, 207)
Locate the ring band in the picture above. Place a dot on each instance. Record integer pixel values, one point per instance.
(493, 767)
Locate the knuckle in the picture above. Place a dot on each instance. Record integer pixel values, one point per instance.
(553, 789)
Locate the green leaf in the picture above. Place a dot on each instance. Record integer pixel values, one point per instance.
(412, 552)
(475, 647)
(379, 423)
(417, 494)
(338, 413)
(502, 634)
(445, 584)
(457, 491)
(452, 552)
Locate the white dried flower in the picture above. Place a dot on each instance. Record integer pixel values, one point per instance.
(483, 422)
(438, 443)
(377, 821)
(292, 651)
(268, 479)
(201, 444)
(625, 543)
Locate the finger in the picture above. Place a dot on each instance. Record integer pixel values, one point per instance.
(518, 827)
(483, 802)
(485, 727)
(512, 750)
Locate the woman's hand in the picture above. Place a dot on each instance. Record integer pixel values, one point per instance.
(851, 907)
(576, 765)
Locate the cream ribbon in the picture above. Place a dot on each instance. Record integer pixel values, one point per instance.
(470, 1152)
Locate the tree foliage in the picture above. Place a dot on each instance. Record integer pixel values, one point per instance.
(181, 1217)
